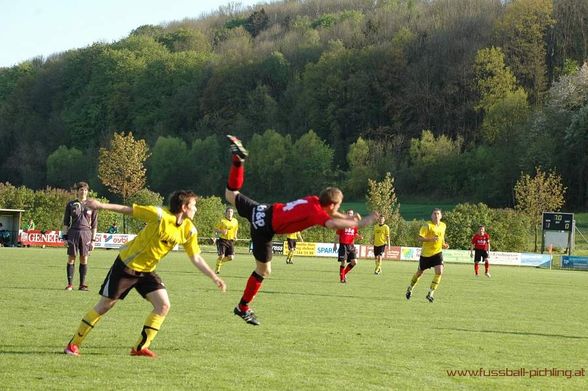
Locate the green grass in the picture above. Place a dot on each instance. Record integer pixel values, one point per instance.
(316, 333)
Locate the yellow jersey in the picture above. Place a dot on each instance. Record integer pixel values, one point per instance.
(157, 238)
(293, 235)
(232, 226)
(381, 234)
(428, 231)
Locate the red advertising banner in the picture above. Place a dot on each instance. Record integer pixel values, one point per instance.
(392, 252)
(36, 238)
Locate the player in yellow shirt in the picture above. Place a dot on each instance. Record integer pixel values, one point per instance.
(225, 244)
(291, 239)
(135, 265)
(432, 237)
(381, 240)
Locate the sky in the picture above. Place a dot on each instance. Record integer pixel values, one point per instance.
(32, 28)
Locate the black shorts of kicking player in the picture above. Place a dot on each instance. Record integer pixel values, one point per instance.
(291, 244)
(432, 261)
(260, 217)
(346, 251)
(379, 250)
(121, 279)
(480, 255)
(224, 247)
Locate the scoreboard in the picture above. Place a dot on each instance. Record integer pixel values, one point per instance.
(556, 221)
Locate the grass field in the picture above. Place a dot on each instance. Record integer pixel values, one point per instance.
(316, 334)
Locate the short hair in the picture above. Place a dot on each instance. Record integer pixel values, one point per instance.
(228, 208)
(436, 209)
(179, 198)
(80, 185)
(330, 195)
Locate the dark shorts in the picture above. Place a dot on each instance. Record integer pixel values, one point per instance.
(432, 261)
(291, 244)
(224, 247)
(78, 242)
(120, 280)
(480, 255)
(346, 252)
(379, 250)
(260, 217)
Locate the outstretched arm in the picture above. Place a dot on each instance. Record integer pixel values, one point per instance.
(201, 264)
(97, 205)
(342, 223)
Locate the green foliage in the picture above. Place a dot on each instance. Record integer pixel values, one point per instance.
(210, 211)
(66, 166)
(169, 156)
(256, 22)
(121, 166)
(508, 229)
(522, 31)
(382, 71)
(381, 198)
(542, 193)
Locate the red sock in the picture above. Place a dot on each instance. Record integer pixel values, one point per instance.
(341, 272)
(236, 174)
(477, 268)
(348, 268)
(486, 266)
(251, 289)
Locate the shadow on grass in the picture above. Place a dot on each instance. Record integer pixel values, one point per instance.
(513, 333)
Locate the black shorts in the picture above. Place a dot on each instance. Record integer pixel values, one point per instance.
(121, 279)
(291, 244)
(260, 217)
(78, 242)
(480, 255)
(346, 251)
(379, 250)
(225, 247)
(432, 261)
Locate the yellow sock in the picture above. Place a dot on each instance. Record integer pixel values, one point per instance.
(150, 329)
(435, 282)
(86, 325)
(219, 264)
(227, 259)
(414, 280)
(378, 265)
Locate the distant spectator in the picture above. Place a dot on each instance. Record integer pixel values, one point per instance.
(113, 228)
(4, 236)
(30, 225)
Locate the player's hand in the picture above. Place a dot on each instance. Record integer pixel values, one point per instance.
(445, 245)
(220, 284)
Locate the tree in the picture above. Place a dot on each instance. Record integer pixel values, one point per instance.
(542, 193)
(169, 153)
(66, 166)
(522, 33)
(121, 168)
(381, 197)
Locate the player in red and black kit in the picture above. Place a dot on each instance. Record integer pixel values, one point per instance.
(481, 246)
(269, 219)
(346, 255)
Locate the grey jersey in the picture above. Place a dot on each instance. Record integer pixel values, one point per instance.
(77, 216)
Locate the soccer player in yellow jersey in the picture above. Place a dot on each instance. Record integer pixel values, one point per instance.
(135, 265)
(291, 239)
(381, 240)
(432, 236)
(227, 231)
